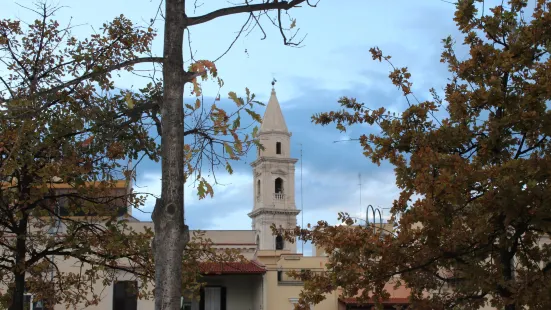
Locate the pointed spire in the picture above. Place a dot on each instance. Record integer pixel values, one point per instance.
(273, 119)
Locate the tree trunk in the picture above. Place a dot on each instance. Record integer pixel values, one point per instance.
(18, 293)
(171, 234)
(507, 272)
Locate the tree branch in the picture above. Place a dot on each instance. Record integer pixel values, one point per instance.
(275, 4)
(95, 74)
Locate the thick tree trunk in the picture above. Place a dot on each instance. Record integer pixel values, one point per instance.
(507, 272)
(18, 293)
(171, 234)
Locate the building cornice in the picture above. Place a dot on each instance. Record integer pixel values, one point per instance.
(273, 132)
(273, 159)
(260, 211)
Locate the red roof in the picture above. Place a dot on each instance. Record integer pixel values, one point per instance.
(351, 301)
(231, 268)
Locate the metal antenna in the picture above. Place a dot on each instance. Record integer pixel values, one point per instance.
(374, 213)
(360, 184)
(301, 198)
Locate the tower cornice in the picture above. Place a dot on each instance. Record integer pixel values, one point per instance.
(273, 159)
(277, 132)
(260, 211)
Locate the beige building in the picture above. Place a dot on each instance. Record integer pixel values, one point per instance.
(262, 282)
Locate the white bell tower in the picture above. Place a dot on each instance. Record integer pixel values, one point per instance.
(274, 181)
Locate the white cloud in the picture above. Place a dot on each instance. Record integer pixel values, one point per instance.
(232, 221)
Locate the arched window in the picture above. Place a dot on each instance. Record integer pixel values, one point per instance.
(279, 242)
(278, 185)
(278, 147)
(258, 188)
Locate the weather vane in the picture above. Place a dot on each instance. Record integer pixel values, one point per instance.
(273, 82)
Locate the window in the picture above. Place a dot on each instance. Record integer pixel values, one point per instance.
(257, 188)
(125, 295)
(278, 186)
(258, 242)
(30, 304)
(27, 302)
(213, 298)
(188, 303)
(279, 276)
(184, 305)
(279, 242)
(278, 147)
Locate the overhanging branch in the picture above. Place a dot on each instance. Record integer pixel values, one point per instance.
(274, 5)
(94, 74)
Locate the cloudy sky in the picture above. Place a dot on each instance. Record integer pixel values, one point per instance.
(333, 62)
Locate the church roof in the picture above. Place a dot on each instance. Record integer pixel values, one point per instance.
(273, 119)
(249, 267)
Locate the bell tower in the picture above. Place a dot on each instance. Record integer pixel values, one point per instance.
(274, 181)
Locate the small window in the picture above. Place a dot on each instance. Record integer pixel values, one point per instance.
(186, 304)
(31, 304)
(278, 147)
(258, 188)
(279, 276)
(279, 242)
(213, 298)
(278, 185)
(125, 295)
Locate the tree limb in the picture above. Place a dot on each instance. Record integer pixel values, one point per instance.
(95, 74)
(283, 5)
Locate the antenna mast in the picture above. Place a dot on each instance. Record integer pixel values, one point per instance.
(301, 199)
(360, 184)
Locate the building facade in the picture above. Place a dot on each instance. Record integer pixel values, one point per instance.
(261, 283)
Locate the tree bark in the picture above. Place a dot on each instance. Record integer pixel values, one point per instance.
(171, 234)
(18, 293)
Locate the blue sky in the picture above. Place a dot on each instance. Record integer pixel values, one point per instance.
(334, 62)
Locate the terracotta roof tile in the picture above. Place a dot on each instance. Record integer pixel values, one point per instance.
(402, 301)
(250, 267)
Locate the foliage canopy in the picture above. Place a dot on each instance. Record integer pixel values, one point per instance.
(473, 171)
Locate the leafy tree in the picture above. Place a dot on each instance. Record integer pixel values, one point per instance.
(473, 170)
(67, 134)
(61, 123)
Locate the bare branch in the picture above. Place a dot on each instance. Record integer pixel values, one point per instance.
(95, 74)
(274, 5)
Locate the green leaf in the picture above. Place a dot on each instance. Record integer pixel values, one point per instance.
(229, 150)
(237, 122)
(233, 96)
(248, 92)
(229, 168)
(201, 190)
(254, 115)
(129, 101)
